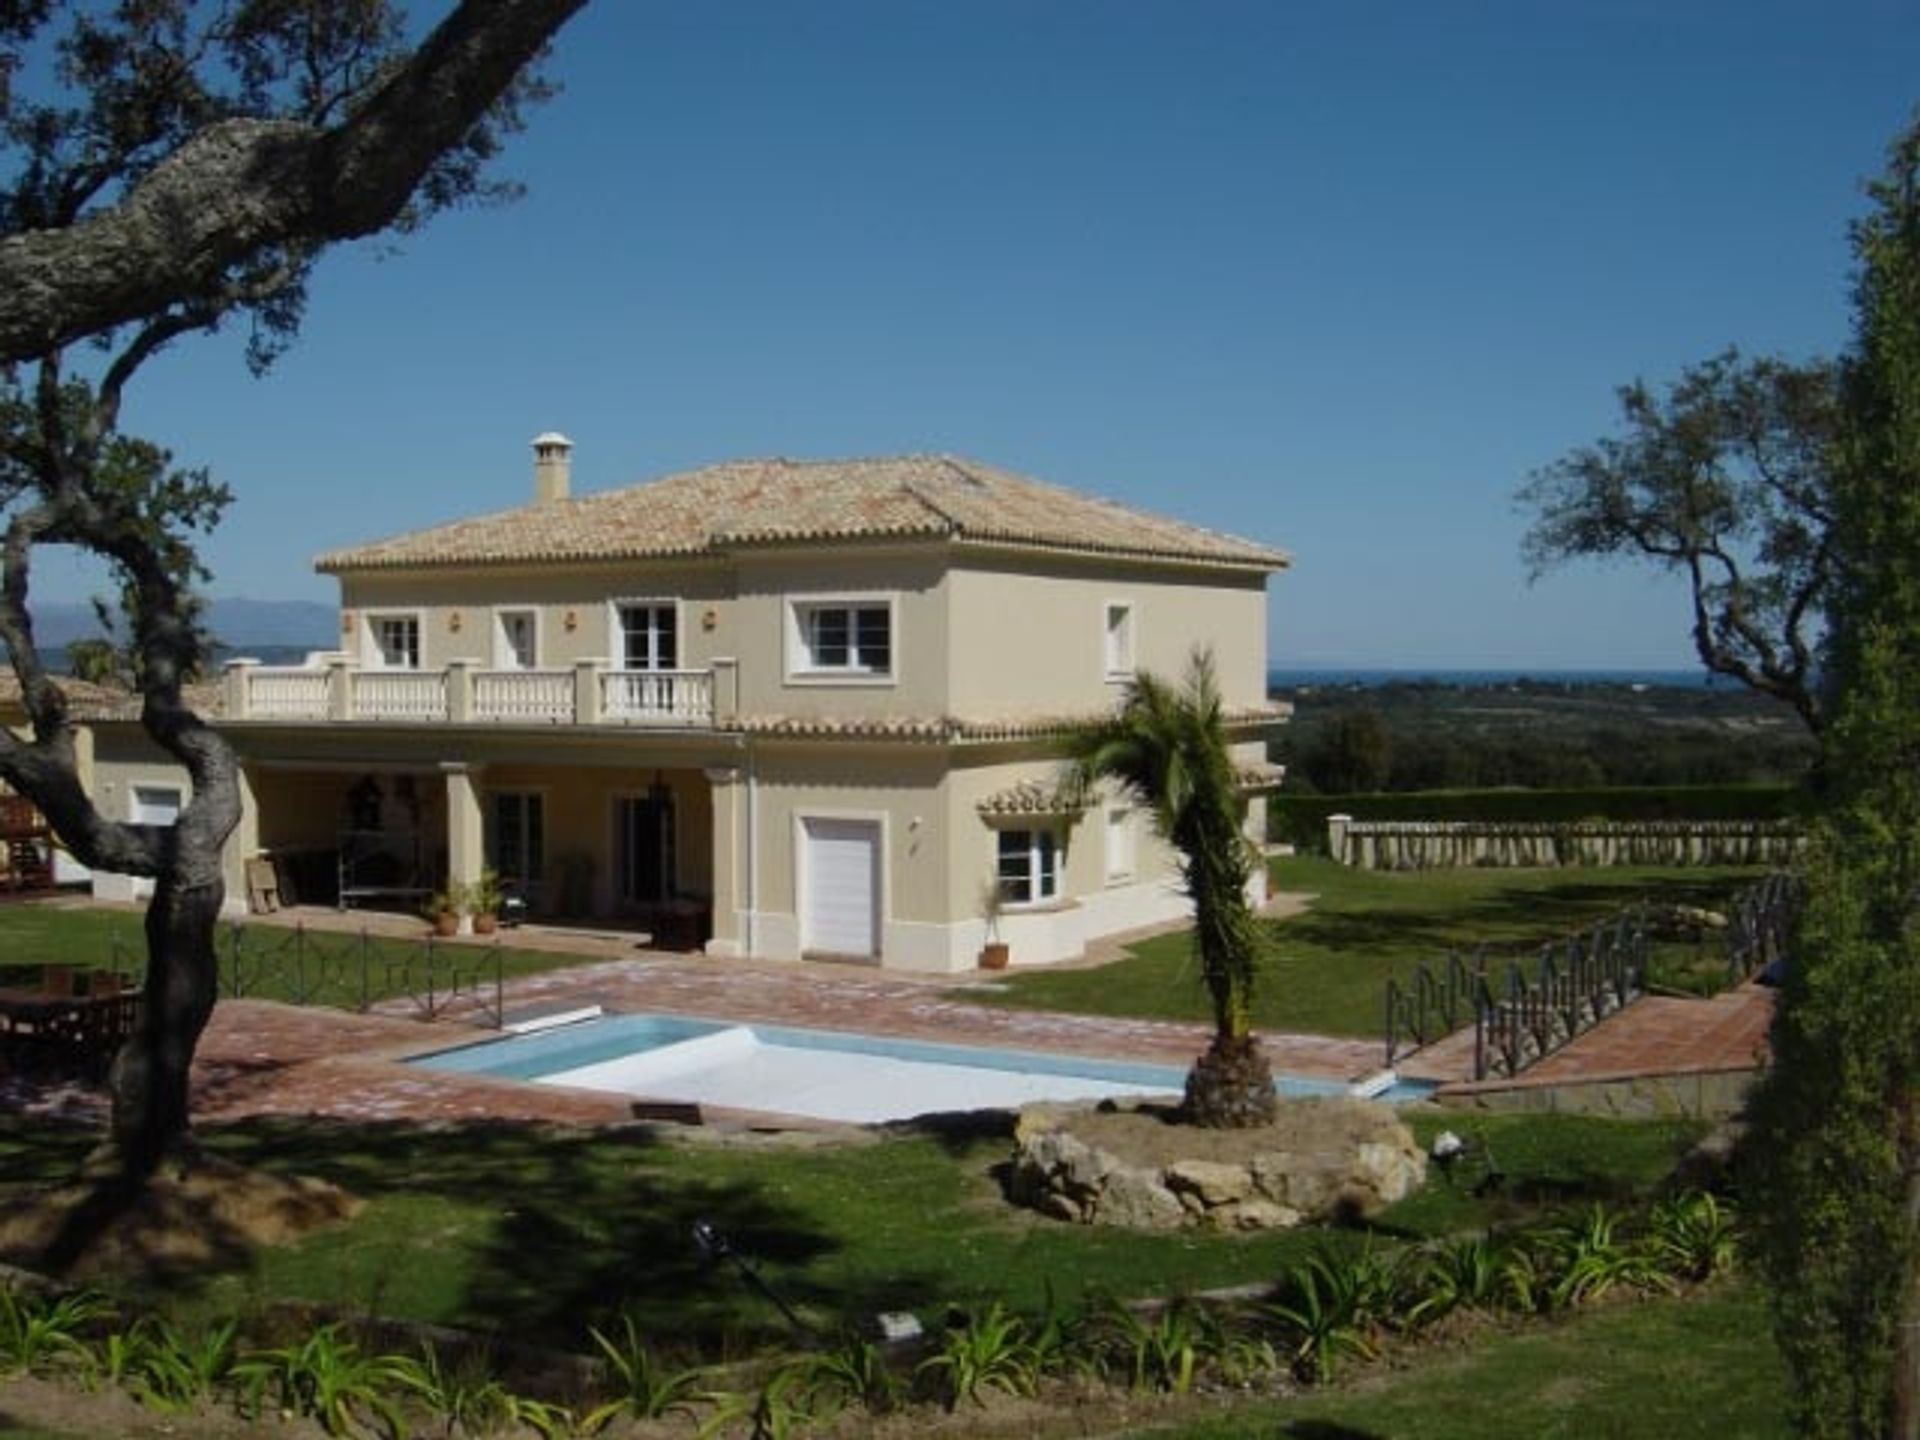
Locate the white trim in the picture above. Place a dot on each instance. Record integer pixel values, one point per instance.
(371, 657)
(1128, 666)
(503, 656)
(617, 634)
(793, 646)
(883, 879)
(1032, 827)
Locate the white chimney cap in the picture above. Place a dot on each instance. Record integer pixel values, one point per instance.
(551, 437)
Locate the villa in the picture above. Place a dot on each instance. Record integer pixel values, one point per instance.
(769, 707)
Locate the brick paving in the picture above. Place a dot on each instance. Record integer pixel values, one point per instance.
(263, 1058)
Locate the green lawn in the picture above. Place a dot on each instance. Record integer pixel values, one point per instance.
(1330, 966)
(1702, 1367)
(268, 962)
(539, 1232)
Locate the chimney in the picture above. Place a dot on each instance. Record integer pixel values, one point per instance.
(552, 467)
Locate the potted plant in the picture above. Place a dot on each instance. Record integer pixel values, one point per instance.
(484, 898)
(994, 952)
(442, 910)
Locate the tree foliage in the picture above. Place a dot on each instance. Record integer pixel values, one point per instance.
(1837, 1122)
(176, 166)
(1725, 479)
(1168, 747)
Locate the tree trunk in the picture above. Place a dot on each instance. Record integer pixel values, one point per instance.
(149, 1079)
(1230, 1087)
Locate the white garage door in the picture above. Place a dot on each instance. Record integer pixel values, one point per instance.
(842, 887)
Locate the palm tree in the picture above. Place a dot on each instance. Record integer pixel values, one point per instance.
(1167, 746)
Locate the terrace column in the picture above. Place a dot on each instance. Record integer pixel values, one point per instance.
(586, 692)
(459, 691)
(466, 837)
(243, 844)
(239, 686)
(340, 689)
(729, 800)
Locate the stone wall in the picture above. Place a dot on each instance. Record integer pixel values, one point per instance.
(1698, 1094)
(1451, 844)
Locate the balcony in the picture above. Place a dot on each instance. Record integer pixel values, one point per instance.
(463, 694)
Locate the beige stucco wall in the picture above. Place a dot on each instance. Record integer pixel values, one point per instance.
(124, 758)
(1028, 637)
(913, 581)
(573, 606)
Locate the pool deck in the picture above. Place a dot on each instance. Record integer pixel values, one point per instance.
(263, 1058)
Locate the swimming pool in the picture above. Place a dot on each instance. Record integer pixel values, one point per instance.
(822, 1074)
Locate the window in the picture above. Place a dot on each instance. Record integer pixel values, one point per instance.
(842, 638)
(519, 849)
(1029, 866)
(1119, 844)
(649, 637)
(519, 649)
(1119, 640)
(396, 640)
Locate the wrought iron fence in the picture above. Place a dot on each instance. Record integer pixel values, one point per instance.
(1432, 1005)
(1760, 925)
(358, 971)
(1567, 990)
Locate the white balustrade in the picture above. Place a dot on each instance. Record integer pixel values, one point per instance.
(400, 695)
(523, 696)
(657, 697)
(286, 693)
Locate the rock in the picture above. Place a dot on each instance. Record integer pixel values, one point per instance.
(1254, 1214)
(1056, 1206)
(1211, 1182)
(1136, 1199)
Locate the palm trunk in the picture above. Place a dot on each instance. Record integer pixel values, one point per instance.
(149, 1079)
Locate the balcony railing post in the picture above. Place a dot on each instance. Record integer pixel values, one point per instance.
(339, 689)
(586, 692)
(239, 683)
(459, 691)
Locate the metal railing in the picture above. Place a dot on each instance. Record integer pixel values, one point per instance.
(1433, 1005)
(1760, 925)
(1568, 990)
(359, 971)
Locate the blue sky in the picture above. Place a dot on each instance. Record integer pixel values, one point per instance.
(1336, 276)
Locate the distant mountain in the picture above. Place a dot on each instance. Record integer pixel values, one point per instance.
(238, 624)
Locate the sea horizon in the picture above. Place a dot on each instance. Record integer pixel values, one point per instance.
(1294, 677)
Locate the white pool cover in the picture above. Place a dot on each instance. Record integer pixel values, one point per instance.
(737, 1069)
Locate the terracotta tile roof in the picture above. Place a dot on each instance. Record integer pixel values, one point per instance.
(758, 502)
(1035, 797)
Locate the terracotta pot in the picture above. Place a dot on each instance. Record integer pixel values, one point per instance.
(993, 955)
(485, 923)
(446, 923)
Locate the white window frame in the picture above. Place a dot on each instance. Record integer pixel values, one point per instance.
(617, 632)
(375, 657)
(503, 656)
(1119, 666)
(799, 661)
(1044, 880)
(1122, 859)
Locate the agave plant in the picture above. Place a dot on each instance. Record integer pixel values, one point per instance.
(1464, 1275)
(464, 1394)
(1160, 1353)
(855, 1371)
(1593, 1259)
(647, 1389)
(1694, 1234)
(40, 1335)
(330, 1378)
(164, 1370)
(1323, 1308)
(987, 1351)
